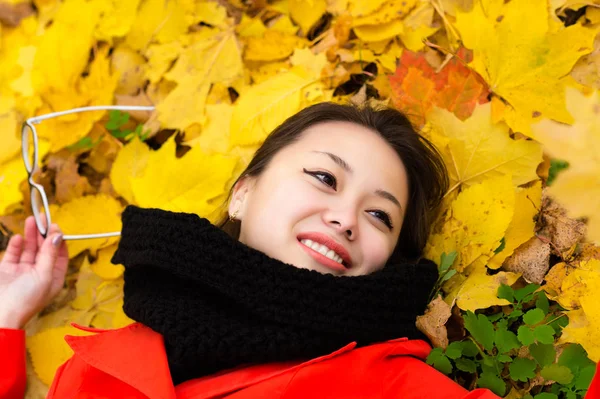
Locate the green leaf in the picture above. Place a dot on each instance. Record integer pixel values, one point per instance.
(504, 358)
(506, 292)
(492, 382)
(526, 293)
(447, 260)
(542, 302)
(558, 323)
(454, 350)
(447, 276)
(495, 317)
(570, 395)
(556, 165)
(544, 354)
(574, 357)
(585, 377)
(501, 246)
(544, 334)
(506, 340)
(522, 369)
(481, 329)
(469, 348)
(438, 360)
(525, 335)
(546, 395)
(465, 364)
(533, 316)
(515, 314)
(558, 373)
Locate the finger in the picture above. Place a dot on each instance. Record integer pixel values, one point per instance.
(48, 254)
(40, 238)
(31, 243)
(14, 249)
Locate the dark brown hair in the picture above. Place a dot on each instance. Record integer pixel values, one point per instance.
(427, 175)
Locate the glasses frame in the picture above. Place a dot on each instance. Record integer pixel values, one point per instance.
(28, 130)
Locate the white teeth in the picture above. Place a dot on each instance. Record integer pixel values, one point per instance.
(322, 249)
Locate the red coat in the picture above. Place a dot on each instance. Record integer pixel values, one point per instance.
(131, 363)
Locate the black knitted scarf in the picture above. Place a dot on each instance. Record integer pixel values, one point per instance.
(220, 304)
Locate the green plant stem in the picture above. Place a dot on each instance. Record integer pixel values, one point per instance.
(548, 322)
(477, 345)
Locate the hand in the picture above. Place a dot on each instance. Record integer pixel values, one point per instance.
(32, 272)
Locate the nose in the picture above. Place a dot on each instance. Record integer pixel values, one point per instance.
(343, 222)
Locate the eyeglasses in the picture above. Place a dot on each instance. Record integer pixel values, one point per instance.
(38, 195)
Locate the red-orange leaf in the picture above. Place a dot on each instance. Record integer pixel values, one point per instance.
(416, 87)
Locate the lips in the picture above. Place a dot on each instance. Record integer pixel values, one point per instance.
(330, 243)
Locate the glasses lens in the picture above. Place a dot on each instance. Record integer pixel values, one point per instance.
(37, 206)
(29, 155)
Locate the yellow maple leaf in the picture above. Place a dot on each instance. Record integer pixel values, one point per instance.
(360, 8)
(158, 20)
(117, 18)
(306, 12)
(86, 287)
(389, 11)
(264, 106)
(11, 139)
(523, 59)
(183, 184)
(479, 289)
(418, 26)
(584, 323)
(216, 58)
(522, 224)
(285, 25)
(160, 59)
(88, 215)
(49, 350)
(62, 55)
(95, 89)
(578, 283)
(375, 33)
(475, 223)
(214, 135)
(130, 163)
(103, 266)
(578, 187)
(477, 149)
(313, 63)
(273, 45)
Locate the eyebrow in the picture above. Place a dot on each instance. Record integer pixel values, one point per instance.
(344, 165)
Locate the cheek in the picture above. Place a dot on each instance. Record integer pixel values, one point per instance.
(376, 252)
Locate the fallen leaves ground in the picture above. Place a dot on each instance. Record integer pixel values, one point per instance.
(507, 90)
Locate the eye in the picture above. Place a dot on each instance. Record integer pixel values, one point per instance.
(327, 176)
(384, 216)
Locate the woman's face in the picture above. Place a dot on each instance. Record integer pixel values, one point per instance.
(348, 205)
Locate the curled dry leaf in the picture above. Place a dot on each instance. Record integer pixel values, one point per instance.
(532, 259)
(432, 323)
(563, 232)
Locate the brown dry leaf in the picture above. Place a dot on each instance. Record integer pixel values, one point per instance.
(432, 323)
(563, 232)
(12, 14)
(69, 183)
(532, 259)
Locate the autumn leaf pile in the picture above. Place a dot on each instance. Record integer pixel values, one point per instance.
(507, 90)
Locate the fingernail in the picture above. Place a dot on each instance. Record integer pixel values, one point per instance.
(56, 240)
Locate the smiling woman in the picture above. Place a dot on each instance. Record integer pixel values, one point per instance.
(311, 288)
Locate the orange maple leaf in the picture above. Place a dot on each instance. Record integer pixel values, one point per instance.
(417, 87)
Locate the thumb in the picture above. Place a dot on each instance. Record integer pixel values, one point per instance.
(49, 253)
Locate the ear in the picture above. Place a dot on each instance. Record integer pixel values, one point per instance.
(239, 197)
